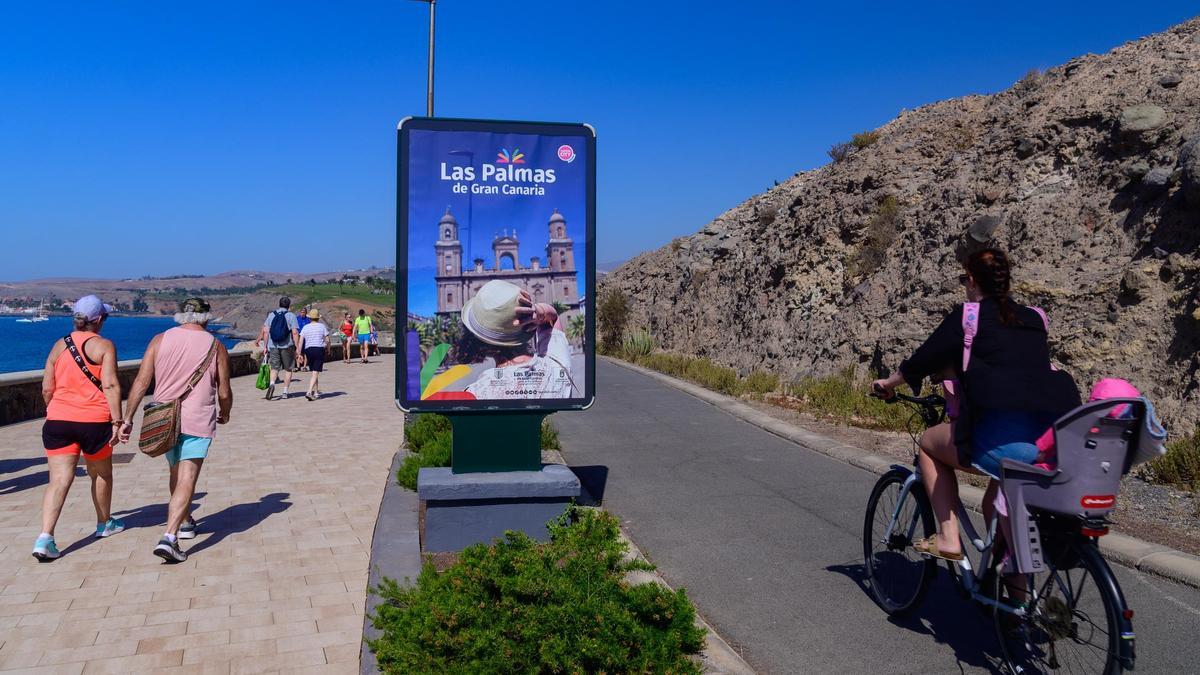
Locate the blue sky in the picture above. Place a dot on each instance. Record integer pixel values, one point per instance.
(203, 137)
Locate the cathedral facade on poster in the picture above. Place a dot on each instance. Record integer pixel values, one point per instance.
(553, 281)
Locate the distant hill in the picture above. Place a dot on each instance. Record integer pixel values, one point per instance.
(1088, 173)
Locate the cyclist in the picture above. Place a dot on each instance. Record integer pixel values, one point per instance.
(1009, 393)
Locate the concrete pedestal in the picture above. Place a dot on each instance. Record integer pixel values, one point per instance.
(470, 508)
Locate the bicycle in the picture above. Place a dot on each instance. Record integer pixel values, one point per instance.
(1072, 617)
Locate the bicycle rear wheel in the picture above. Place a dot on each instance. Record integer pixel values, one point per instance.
(897, 575)
(1072, 625)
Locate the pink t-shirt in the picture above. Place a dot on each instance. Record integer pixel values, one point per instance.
(180, 352)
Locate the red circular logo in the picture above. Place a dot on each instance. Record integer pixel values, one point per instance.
(566, 153)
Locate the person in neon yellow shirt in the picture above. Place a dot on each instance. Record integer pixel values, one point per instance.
(363, 327)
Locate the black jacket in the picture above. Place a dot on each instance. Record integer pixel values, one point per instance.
(1009, 369)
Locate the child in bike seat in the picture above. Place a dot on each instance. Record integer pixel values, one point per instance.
(1109, 387)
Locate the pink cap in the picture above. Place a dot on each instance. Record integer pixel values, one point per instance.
(1113, 387)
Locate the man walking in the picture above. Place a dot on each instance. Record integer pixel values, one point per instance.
(172, 361)
(302, 320)
(280, 334)
(363, 327)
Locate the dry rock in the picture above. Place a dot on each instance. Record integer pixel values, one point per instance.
(1170, 80)
(837, 280)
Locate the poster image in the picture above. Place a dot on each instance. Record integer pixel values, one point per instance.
(495, 235)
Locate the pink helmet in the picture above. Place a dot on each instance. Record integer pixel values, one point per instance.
(1113, 387)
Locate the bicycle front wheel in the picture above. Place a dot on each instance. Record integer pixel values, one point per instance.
(897, 575)
(1072, 625)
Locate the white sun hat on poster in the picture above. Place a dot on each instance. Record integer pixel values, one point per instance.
(490, 315)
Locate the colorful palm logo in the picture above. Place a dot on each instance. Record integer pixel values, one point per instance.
(517, 157)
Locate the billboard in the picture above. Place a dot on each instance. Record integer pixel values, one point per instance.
(496, 265)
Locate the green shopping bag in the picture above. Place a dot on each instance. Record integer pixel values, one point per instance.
(264, 376)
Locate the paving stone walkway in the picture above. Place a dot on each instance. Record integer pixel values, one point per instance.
(276, 579)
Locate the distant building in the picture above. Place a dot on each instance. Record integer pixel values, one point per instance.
(554, 282)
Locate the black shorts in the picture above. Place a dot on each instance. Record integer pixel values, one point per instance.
(315, 358)
(63, 437)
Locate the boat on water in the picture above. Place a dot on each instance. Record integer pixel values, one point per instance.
(42, 315)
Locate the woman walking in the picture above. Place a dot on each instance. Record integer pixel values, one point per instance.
(312, 346)
(83, 416)
(347, 335)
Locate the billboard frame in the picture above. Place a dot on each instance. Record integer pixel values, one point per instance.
(587, 135)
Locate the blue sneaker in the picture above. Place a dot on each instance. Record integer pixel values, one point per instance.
(45, 550)
(109, 528)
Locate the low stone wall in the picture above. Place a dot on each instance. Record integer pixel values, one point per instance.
(21, 393)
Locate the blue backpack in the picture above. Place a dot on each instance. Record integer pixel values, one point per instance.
(279, 327)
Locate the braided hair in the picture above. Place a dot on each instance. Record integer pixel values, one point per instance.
(991, 270)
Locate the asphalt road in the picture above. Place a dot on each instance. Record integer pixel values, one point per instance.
(766, 536)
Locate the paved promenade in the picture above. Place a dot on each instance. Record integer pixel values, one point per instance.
(276, 580)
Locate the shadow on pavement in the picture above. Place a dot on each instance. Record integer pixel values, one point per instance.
(330, 394)
(32, 480)
(593, 480)
(946, 617)
(19, 464)
(151, 515)
(238, 518)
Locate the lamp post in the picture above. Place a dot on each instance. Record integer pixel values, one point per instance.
(471, 162)
(429, 86)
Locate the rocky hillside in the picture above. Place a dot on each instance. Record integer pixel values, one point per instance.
(1089, 174)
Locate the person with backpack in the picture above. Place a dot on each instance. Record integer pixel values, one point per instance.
(83, 417)
(1008, 393)
(280, 333)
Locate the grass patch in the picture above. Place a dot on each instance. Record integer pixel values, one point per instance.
(520, 606)
(842, 397)
(1180, 467)
(710, 375)
(429, 440)
(303, 294)
(864, 139)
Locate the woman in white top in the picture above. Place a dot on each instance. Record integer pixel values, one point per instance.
(313, 338)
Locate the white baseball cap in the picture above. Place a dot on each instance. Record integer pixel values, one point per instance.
(91, 308)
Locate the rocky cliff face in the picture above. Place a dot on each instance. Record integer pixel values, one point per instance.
(1088, 174)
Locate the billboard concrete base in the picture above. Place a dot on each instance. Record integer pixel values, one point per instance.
(471, 508)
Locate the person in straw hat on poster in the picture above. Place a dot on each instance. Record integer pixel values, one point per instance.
(524, 339)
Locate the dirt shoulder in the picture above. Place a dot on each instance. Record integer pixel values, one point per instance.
(1154, 513)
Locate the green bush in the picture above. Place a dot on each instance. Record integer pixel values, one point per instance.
(864, 139)
(637, 344)
(881, 234)
(430, 442)
(1180, 466)
(428, 438)
(613, 314)
(519, 606)
(843, 398)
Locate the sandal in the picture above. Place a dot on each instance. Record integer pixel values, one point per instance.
(928, 546)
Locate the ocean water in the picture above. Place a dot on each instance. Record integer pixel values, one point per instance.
(24, 346)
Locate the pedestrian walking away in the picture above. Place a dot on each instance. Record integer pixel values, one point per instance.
(347, 337)
(302, 320)
(172, 361)
(374, 348)
(280, 334)
(362, 328)
(83, 417)
(312, 345)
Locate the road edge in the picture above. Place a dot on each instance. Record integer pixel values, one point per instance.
(1129, 551)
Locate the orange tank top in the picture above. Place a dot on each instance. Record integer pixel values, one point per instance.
(75, 398)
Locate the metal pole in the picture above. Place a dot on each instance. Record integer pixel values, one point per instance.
(429, 88)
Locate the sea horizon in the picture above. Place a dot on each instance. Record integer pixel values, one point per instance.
(27, 344)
